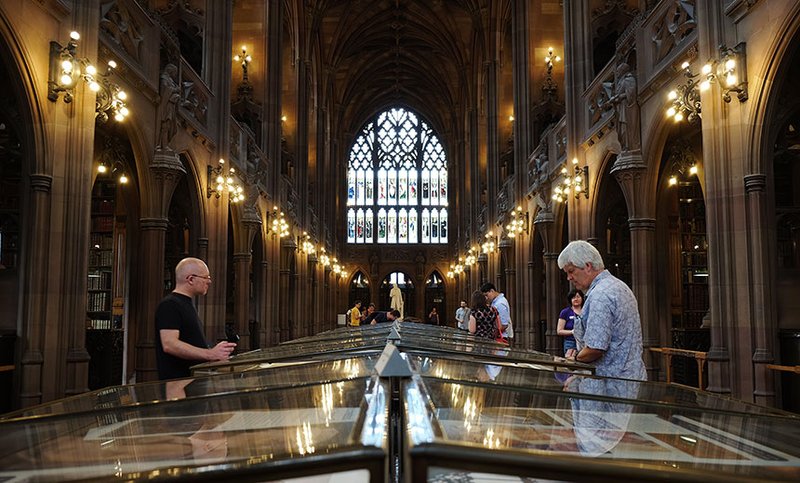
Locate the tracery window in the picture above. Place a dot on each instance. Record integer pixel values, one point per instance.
(397, 182)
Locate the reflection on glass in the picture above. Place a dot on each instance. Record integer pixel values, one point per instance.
(600, 425)
(419, 425)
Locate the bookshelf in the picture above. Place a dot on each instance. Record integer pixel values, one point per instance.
(101, 257)
(694, 254)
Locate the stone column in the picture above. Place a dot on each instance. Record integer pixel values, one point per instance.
(629, 171)
(761, 289)
(242, 259)
(554, 297)
(166, 171)
(545, 224)
(34, 318)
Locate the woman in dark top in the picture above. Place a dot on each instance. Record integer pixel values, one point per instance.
(566, 319)
(482, 317)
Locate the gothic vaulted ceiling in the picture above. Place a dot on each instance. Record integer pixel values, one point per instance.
(424, 54)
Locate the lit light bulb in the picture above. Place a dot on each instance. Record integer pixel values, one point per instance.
(91, 70)
(673, 180)
(122, 95)
(671, 112)
(74, 35)
(124, 111)
(730, 79)
(705, 85)
(730, 64)
(119, 117)
(94, 86)
(123, 179)
(66, 80)
(685, 65)
(102, 168)
(66, 66)
(678, 117)
(112, 64)
(672, 95)
(693, 169)
(706, 69)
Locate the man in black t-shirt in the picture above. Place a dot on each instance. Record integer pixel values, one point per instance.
(180, 342)
(381, 317)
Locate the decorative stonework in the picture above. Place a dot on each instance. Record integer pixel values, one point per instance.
(677, 21)
(195, 102)
(117, 21)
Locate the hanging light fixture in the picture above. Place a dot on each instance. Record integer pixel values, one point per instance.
(518, 222)
(279, 226)
(220, 182)
(577, 183)
(729, 72)
(66, 69)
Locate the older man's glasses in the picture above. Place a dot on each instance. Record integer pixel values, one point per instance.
(207, 277)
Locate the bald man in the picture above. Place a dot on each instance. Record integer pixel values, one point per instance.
(180, 342)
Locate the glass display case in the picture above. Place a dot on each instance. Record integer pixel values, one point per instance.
(399, 402)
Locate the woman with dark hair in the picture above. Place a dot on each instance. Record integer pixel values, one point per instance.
(482, 316)
(566, 319)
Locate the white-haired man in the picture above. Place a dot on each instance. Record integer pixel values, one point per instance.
(180, 342)
(609, 331)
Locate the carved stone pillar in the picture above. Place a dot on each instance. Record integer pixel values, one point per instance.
(544, 223)
(629, 171)
(34, 317)
(153, 234)
(284, 297)
(250, 223)
(554, 298)
(263, 313)
(509, 288)
(762, 288)
(166, 171)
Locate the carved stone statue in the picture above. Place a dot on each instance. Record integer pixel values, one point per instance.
(170, 93)
(626, 107)
(396, 299)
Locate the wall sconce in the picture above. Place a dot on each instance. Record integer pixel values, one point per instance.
(730, 72)
(489, 243)
(65, 71)
(324, 259)
(456, 268)
(549, 88)
(472, 256)
(577, 183)
(339, 270)
(279, 225)
(304, 244)
(245, 59)
(220, 182)
(518, 223)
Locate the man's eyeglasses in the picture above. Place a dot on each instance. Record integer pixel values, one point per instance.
(207, 277)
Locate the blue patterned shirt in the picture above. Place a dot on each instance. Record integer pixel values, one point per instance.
(610, 323)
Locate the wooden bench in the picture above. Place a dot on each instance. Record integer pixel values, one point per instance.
(669, 352)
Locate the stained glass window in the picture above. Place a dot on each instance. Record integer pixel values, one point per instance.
(396, 167)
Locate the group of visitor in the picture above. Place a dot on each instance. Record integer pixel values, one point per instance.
(488, 315)
(600, 326)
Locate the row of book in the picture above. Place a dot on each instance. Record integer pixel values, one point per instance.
(99, 280)
(99, 324)
(100, 258)
(98, 302)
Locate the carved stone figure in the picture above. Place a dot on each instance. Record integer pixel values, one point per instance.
(396, 299)
(170, 93)
(624, 101)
